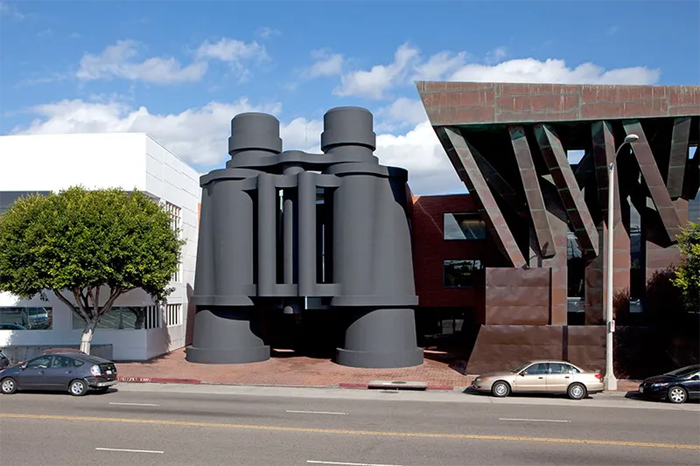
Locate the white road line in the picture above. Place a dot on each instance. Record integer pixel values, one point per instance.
(532, 420)
(349, 464)
(134, 404)
(317, 412)
(127, 450)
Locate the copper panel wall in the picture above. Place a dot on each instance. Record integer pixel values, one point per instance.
(500, 347)
(517, 296)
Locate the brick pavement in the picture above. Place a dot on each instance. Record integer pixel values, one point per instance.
(287, 369)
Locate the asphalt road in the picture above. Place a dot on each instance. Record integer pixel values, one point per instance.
(198, 425)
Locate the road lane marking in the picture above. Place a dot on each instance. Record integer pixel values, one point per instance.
(531, 420)
(134, 404)
(127, 450)
(348, 464)
(317, 412)
(312, 430)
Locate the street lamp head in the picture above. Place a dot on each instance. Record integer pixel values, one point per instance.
(631, 138)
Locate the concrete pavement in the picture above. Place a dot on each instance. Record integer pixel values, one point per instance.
(211, 425)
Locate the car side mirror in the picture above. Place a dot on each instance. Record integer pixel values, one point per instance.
(522, 374)
(695, 377)
(23, 366)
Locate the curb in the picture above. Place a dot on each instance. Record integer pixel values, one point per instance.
(342, 385)
(158, 380)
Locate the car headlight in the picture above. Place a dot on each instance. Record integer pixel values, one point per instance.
(478, 379)
(659, 385)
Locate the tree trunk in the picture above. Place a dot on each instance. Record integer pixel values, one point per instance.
(86, 339)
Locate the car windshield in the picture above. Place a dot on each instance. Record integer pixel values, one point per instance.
(683, 371)
(521, 367)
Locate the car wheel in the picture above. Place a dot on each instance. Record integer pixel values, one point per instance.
(677, 395)
(500, 389)
(576, 391)
(78, 388)
(8, 386)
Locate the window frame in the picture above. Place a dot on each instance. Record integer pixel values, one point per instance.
(467, 216)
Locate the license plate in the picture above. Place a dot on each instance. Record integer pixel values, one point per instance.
(109, 372)
(641, 389)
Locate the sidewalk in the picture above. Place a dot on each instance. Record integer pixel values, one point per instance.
(287, 369)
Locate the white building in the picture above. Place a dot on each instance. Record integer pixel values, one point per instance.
(136, 329)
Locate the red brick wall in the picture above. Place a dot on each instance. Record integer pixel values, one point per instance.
(430, 249)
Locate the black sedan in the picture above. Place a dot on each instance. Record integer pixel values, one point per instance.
(676, 386)
(78, 373)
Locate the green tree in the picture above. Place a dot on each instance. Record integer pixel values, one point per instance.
(687, 277)
(88, 248)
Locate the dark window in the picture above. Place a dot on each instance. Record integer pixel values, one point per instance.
(42, 362)
(26, 318)
(459, 273)
(77, 363)
(61, 361)
(537, 369)
(463, 226)
(556, 368)
(120, 318)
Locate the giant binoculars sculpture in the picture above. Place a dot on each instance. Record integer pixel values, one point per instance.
(278, 228)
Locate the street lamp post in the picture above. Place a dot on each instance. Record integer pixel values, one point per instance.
(610, 380)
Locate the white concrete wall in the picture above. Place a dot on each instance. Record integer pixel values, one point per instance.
(126, 160)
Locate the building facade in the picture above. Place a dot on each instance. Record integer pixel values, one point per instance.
(135, 329)
(541, 291)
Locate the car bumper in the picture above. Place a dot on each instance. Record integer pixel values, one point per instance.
(652, 393)
(94, 382)
(482, 386)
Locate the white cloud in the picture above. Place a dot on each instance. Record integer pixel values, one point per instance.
(198, 135)
(121, 60)
(439, 65)
(401, 113)
(325, 64)
(118, 61)
(11, 10)
(74, 35)
(496, 55)
(372, 84)
(408, 66)
(232, 51)
(530, 70)
(267, 32)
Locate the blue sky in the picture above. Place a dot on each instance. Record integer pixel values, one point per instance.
(181, 70)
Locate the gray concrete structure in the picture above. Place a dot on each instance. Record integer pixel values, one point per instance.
(290, 231)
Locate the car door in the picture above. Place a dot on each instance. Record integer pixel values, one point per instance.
(693, 386)
(33, 376)
(60, 373)
(558, 377)
(532, 379)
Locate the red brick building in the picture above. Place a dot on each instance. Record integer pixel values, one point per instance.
(516, 267)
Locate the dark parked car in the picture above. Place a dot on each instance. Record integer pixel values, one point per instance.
(78, 373)
(676, 386)
(12, 327)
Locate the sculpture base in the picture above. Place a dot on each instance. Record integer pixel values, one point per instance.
(380, 339)
(227, 356)
(227, 335)
(379, 360)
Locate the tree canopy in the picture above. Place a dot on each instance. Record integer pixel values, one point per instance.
(78, 242)
(687, 277)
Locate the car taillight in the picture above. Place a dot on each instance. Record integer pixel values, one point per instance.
(599, 376)
(95, 370)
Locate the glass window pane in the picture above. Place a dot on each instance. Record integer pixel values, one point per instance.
(118, 318)
(459, 273)
(26, 318)
(42, 362)
(463, 227)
